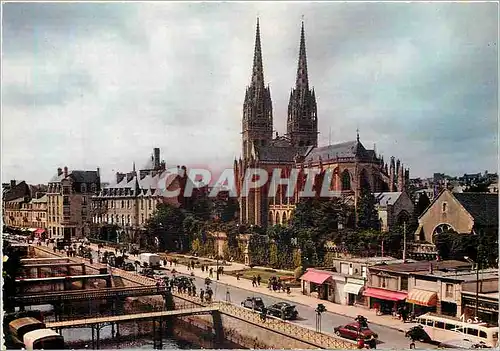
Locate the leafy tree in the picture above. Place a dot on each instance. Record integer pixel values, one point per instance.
(258, 249)
(422, 204)
(10, 271)
(167, 226)
(273, 255)
(367, 212)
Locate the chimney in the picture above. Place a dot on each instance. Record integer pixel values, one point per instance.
(65, 171)
(12, 183)
(59, 171)
(98, 172)
(156, 159)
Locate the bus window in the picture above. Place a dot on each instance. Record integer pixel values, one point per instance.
(439, 325)
(482, 334)
(450, 326)
(430, 323)
(472, 331)
(495, 336)
(421, 321)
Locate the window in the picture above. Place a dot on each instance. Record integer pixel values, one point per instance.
(430, 323)
(65, 200)
(444, 206)
(142, 218)
(149, 203)
(404, 283)
(123, 219)
(439, 325)
(84, 200)
(472, 331)
(128, 219)
(142, 204)
(449, 290)
(482, 334)
(123, 204)
(128, 203)
(83, 188)
(93, 187)
(450, 326)
(382, 282)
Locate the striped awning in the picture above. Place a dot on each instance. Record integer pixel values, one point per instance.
(352, 288)
(422, 297)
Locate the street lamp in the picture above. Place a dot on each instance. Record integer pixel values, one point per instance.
(477, 283)
(217, 257)
(319, 310)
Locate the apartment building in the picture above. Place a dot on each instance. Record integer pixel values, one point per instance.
(69, 203)
(132, 198)
(25, 207)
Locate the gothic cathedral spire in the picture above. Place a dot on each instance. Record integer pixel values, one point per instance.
(257, 124)
(302, 124)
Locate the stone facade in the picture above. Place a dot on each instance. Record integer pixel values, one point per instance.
(461, 212)
(394, 209)
(132, 199)
(69, 203)
(352, 166)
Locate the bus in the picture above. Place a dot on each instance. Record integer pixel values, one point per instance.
(446, 329)
(43, 339)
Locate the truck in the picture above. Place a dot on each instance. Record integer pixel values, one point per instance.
(149, 260)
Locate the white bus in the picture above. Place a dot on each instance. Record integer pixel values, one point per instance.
(446, 329)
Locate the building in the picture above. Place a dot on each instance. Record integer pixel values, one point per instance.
(129, 201)
(68, 203)
(350, 164)
(25, 207)
(394, 209)
(436, 286)
(343, 281)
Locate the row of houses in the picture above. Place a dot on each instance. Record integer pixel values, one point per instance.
(383, 283)
(74, 204)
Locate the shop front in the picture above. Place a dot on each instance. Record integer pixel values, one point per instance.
(318, 284)
(385, 301)
(487, 306)
(353, 291)
(422, 301)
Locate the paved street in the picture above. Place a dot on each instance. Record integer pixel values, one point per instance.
(389, 337)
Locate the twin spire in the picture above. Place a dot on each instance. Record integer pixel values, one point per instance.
(258, 67)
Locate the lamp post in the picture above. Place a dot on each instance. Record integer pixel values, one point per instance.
(477, 284)
(319, 310)
(217, 257)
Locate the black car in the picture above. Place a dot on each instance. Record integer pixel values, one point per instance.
(129, 267)
(283, 310)
(253, 303)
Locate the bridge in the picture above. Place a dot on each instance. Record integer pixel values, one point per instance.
(88, 294)
(23, 283)
(60, 267)
(131, 317)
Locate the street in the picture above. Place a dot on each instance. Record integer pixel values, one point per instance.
(388, 338)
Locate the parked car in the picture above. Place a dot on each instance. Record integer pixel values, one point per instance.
(283, 310)
(253, 303)
(353, 331)
(418, 333)
(148, 272)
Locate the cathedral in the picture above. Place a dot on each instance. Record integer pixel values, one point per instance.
(352, 166)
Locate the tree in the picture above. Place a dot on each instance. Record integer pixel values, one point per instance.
(258, 249)
(422, 204)
(367, 212)
(166, 225)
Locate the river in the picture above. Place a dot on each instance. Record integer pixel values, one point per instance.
(81, 338)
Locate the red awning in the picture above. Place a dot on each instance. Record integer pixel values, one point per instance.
(39, 231)
(385, 294)
(315, 277)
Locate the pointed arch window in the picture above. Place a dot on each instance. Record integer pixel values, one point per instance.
(346, 180)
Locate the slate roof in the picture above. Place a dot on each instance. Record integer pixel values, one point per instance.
(349, 149)
(482, 206)
(388, 198)
(279, 152)
(78, 177)
(19, 190)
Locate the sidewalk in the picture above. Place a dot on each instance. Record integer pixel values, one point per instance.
(297, 297)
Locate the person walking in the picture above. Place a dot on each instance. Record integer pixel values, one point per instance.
(259, 279)
(202, 294)
(254, 281)
(211, 274)
(228, 296)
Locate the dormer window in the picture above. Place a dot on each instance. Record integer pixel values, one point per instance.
(84, 188)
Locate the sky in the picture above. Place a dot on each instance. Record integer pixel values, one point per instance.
(89, 85)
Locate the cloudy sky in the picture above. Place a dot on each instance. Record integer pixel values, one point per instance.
(101, 84)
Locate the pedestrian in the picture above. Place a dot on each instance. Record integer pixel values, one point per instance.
(254, 281)
(202, 268)
(221, 270)
(238, 276)
(192, 264)
(259, 279)
(211, 274)
(228, 296)
(202, 294)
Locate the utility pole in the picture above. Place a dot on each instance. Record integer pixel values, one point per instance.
(477, 288)
(404, 242)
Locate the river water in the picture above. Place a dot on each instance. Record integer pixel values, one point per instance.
(81, 338)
